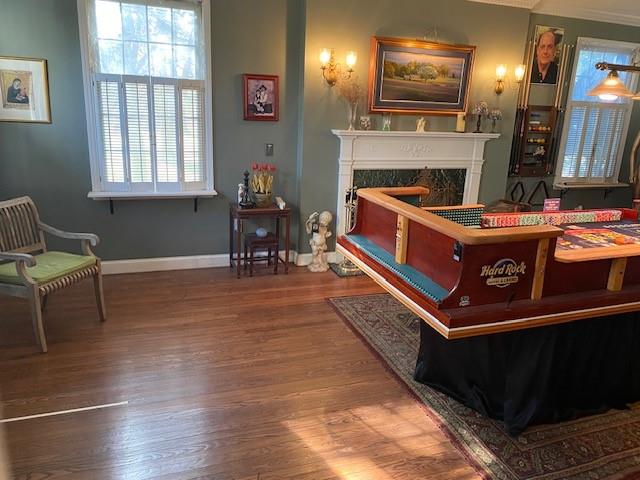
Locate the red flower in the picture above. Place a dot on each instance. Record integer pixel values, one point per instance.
(272, 168)
(254, 166)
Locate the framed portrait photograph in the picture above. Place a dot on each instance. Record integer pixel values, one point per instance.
(546, 58)
(260, 97)
(415, 76)
(24, 90)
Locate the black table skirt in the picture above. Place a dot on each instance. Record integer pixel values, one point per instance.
(540, 375)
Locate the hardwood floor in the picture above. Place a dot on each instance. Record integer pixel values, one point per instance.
(245, 379)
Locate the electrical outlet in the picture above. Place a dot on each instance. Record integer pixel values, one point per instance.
(268, 149)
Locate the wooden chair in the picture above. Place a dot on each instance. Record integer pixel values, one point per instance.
(28, 270)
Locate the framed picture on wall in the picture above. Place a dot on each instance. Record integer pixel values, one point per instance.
(546, 60)
(260, 97)
(415, 76)
(24, 90)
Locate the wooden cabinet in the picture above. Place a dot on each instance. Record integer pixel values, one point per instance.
(533, 151)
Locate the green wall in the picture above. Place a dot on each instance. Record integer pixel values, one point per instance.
(50, 162)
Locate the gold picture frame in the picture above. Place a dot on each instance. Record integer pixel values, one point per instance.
(24, 90)
(420, 77)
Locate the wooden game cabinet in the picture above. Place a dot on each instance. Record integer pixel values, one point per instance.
(465, 281)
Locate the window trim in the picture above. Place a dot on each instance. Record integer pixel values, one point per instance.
(559, 181)
(97, 191)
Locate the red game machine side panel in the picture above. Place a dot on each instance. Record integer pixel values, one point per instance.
(377, 224)
(431, 253)
(494, 273)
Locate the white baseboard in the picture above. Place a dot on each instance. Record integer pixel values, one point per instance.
(304, 259)
(159, 264)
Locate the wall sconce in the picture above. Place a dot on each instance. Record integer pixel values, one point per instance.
(501, 76)
(331, 69)
(501, 71)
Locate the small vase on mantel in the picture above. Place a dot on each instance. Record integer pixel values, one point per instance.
(353, 114)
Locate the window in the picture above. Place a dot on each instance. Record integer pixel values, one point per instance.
(147, 93)
(594, 130)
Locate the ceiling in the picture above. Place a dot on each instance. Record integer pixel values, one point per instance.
(625, 12)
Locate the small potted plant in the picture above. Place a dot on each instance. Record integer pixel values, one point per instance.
(262, 183)
(481, 109)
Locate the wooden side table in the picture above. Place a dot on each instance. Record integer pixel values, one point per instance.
(237, 215)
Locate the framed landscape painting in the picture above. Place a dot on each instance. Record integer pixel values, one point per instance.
(24, 90)
(415, 76)
(260, 97)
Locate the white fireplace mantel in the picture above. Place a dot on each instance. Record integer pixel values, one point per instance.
(377, 150)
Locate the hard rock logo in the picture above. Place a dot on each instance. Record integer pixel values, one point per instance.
(503, 273)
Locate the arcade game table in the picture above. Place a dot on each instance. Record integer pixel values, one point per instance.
(528, 317)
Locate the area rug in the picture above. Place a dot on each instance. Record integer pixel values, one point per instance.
(599, 447)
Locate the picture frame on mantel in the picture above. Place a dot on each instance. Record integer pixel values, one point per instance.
(419, 77)
(24, 90)
(261, 97)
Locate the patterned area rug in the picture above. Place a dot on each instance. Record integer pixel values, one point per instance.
(599, 447)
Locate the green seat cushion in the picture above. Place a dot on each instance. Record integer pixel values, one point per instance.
(50, 266)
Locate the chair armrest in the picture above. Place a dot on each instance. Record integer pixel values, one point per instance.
(28, 260)
(90, 237)
(23, 260)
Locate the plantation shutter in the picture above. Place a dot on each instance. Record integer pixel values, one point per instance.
(111, 129)
(192, 128)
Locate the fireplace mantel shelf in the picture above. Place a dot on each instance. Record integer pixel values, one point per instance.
(425, 135)
(382, 150)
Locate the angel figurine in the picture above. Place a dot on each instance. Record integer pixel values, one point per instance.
(317, 226)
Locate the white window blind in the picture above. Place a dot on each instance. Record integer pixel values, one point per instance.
(594, 130)
(147, 70)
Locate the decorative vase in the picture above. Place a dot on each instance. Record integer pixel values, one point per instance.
(263, 200)
(386, 122)
(478, 125)
(353, 110)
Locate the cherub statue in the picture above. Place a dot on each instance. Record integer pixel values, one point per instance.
(421, 125)
(317, 226)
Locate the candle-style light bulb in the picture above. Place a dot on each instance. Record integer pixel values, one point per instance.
(351, 59)
(519, 72)
(501, 71)
(325, 57)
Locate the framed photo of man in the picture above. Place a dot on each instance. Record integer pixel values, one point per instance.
(260, 97)
(24, 90)
(546, 58)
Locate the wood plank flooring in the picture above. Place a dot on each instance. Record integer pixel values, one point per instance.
(251, 379)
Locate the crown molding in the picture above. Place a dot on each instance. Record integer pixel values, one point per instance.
(526, 4)
(562, 8)
(585, 13)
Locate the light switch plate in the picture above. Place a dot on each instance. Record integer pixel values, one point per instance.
(268, 149)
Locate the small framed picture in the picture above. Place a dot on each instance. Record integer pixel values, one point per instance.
(260, 97)
(24, 90)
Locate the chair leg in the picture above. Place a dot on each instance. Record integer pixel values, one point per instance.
(275, 261)
(269, 257)
(36, 318)
(97, 287)
(43, 301)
